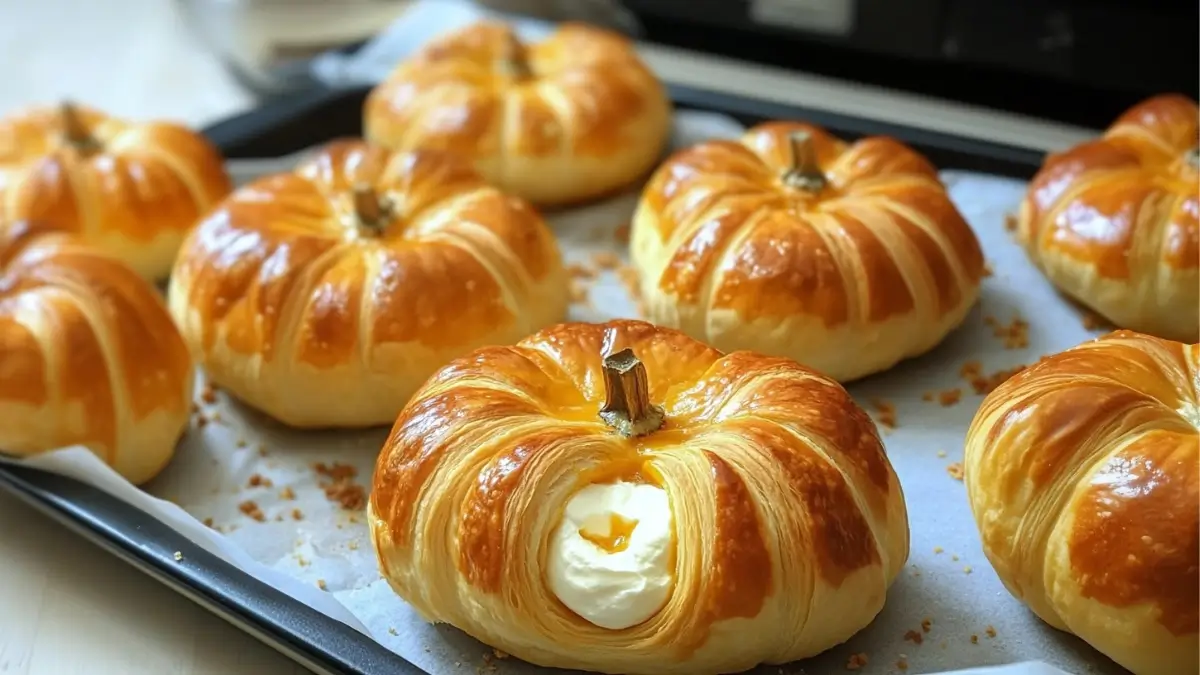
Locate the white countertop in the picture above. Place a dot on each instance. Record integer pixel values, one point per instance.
(65, 605)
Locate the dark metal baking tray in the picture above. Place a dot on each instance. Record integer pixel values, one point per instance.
(318, 642)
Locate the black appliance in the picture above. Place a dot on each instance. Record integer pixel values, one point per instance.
(1080, 62)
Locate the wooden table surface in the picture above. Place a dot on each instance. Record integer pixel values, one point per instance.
(66, 606)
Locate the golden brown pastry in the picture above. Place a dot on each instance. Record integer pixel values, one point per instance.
(88, 355)
(1113, 222)
(132, 190)
(1082, 474)
(570, 118)
(621, 498)
(844, 257)
(326, 296)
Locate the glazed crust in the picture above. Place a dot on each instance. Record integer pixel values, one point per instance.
(1083, 478)
(135, 195)
(586, 119)
(1114, 222)
(88, 355)
(874, 267)
(789, 521)
(305, 313)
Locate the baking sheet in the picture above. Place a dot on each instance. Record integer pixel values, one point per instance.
(286, 506)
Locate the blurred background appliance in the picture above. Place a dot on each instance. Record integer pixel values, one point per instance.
(1078, 62)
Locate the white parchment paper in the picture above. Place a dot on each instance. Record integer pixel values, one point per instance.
(273, 501)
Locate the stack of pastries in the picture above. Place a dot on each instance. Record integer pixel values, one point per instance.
(694, 494)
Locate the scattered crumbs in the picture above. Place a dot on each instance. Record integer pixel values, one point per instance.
(967, 569)
(1010, 222)
(178, 556)
(954, 557)
(201, 420)
(300, 560)
(990, 632)
(287, 493)
(250, 508)
(259, 480)
(321, 584)
(927, 396)
(856, 661)
(500, 654)
(949, 397)
(353, 545)
(974, 639)
(241, 443)
(902, 663)
(982, 383)
(216, 416)
(297, 514)
(621, 234)
(955, 470)
(885, 413)
(340, 486)
(208, 393)
(578, 292)
(937, 550)
(578, 271)
(195, 408)
(1014, 334)
(606, 260)
(392, 630)
(987, 269)
(914, 637)
(208, 522)
(941, 453)
(926, 624)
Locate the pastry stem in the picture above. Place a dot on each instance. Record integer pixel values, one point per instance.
(515, 60)
(804, 173)
(74, 130)
(371, 211)
(627, 407)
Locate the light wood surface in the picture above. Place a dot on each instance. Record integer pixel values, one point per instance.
(66, 606)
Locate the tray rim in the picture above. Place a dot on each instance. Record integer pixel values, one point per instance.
(314, 640)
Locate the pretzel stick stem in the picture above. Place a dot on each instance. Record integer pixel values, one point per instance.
(627, 407)
(515, 59)
(804, 172)
(75, 131)
(370, 210)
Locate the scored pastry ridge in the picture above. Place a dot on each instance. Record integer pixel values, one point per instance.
(789, 521)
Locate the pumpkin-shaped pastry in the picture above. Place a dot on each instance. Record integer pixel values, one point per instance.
(844, 257)
(572, 117)
(622, 498)
(324, 297)
(131, 190)
(1083, 476)
(88, 355)
(1114, 222)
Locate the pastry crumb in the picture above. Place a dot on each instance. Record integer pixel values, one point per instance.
(578, 293)
(937, 550)
(250, 508)
(856, 661)
(578, 271)
(914, 637)
(340, 487)
(955, 470)
(321, 584)
(990, 631)
(1010, 222)
(885, 412)
(201, 420)
(606, 260)
(1014, 334)
(949, 397)
(178, 556)
(954, 557)
(926, 624)
(974, 639)
(392, 630)
(902, 664)
(287, 493)
(208, 522)
(353, 545)
(208, 393)
(967, 569)
(335, 471)
(259, 480)
(941, 453)
(499, 654)
(297, 514)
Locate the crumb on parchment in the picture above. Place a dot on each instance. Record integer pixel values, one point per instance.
(982, 383)
(902, 663)
(208, 393)
(250, 508)
(208, 522)
(955, 470)
(321, 584)
(949, 397)
(914, 637)
(1014, 334)
(967, 569)
(885, 413)
(178, 556)
(856, 661)
(392, 630)
(259, 480)
(297, 514)
(287, 493)
(937, 550)
(340, 487)
(926, 624)
(974, 639)
(990, 631)
(941, 453)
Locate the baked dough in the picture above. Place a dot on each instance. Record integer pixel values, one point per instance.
(844, 257)
(1113, 222)
(88, 355)
(131, 190)
(789, 523)
(324, 297)
(1083, 476)
(566, 119)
